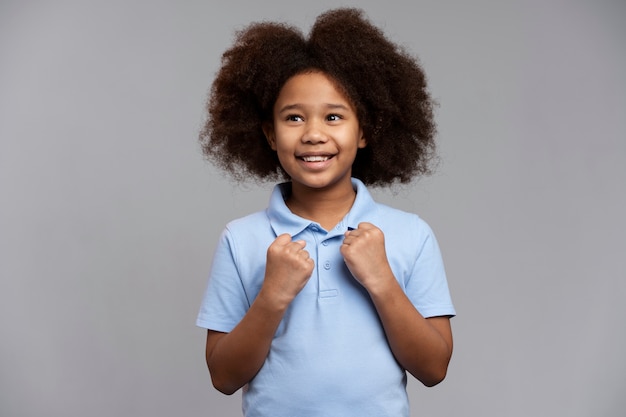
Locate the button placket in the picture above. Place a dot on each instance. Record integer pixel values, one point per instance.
(327, 257)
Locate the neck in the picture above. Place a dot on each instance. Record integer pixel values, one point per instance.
(324, 206)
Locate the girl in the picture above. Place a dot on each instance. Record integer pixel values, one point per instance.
(319, 305)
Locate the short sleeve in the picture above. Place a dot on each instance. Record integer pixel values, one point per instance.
(224, 303)
(427, 287)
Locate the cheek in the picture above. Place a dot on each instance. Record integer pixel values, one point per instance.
(282, 147)
(285, 158)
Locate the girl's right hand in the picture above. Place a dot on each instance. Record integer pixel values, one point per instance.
(287, 271)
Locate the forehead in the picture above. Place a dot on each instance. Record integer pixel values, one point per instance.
(313, 87)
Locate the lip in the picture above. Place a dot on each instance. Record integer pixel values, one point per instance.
(315, 155)
(305, 154)
(314, 161)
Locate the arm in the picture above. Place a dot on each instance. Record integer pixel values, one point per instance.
(235, 358)
(422, 346)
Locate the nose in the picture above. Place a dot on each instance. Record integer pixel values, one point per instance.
(314, 133)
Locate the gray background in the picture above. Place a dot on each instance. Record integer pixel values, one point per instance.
(109, 214)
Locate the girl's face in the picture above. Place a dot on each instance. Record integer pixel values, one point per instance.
(315, 132)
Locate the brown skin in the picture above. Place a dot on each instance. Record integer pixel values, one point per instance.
(324, 194)
(234, 358)
(387, 87)
(422, 346)
(395, 114)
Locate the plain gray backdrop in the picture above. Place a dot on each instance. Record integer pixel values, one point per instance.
(109, 214)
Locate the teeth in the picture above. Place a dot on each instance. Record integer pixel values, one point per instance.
(315, 158)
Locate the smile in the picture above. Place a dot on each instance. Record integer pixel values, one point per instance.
(315, 158)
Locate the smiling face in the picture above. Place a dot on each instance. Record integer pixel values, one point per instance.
(315, 132)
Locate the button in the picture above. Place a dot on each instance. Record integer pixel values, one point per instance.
(315, 228)
(326, 265)
(325, 243)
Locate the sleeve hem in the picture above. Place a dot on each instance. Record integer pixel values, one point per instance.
(437, 312)
(218, 327)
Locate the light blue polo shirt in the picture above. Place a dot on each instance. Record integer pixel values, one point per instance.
(329, 356)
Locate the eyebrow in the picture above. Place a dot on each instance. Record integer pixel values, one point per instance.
(298, 106)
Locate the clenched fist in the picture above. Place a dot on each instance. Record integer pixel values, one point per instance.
(288, 269)
(363, 249)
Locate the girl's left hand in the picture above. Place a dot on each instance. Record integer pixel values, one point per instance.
(363, 249)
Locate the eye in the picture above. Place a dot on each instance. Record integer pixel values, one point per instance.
(333, 117)
(294, 118)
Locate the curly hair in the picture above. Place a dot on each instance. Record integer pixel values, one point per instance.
(385, 83)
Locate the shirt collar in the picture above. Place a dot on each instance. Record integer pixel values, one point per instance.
(283, 220)
(364, 207)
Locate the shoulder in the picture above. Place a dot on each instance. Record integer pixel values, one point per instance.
(400, 224)
(249, 223)
(407, 235)
(402, 221)
(244, 241)
(242, 232)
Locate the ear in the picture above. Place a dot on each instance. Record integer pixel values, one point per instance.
(362, 143)
(268, 131)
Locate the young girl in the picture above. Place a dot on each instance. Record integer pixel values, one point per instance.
(319, 305)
